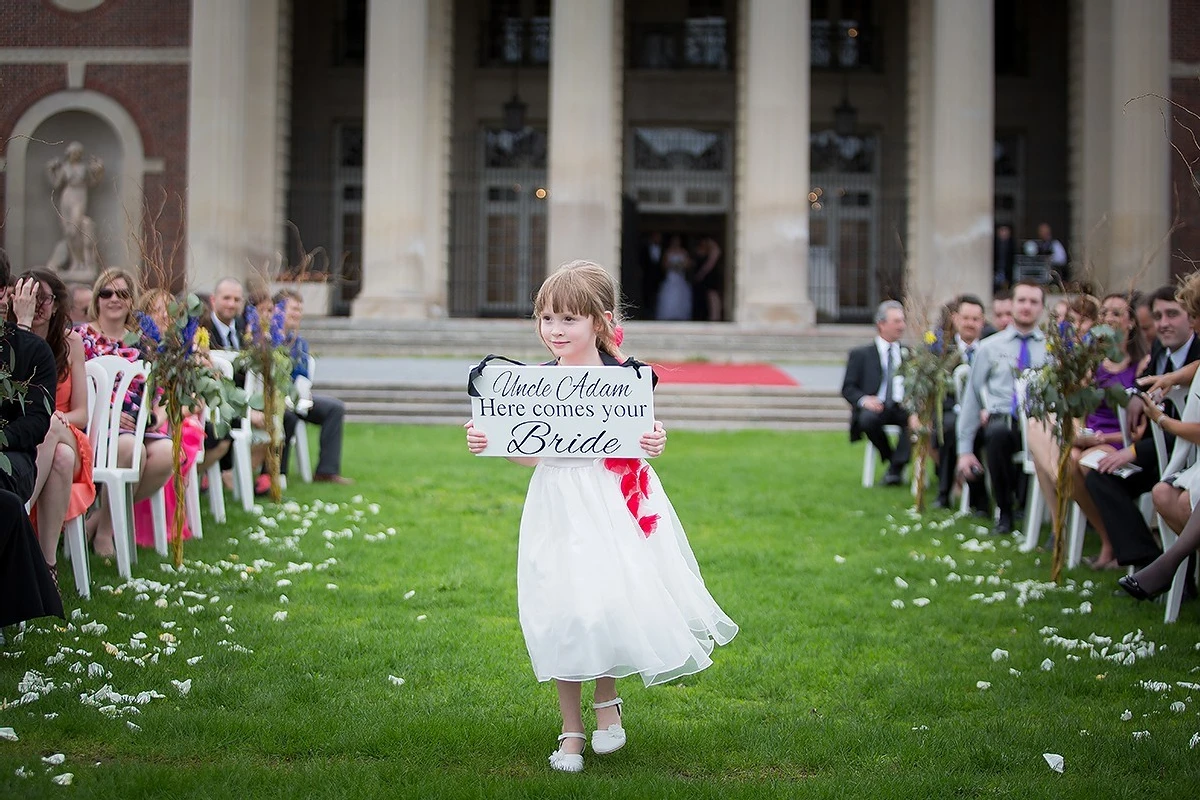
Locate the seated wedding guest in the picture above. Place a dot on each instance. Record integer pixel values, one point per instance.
(874, 389)
(154, 303)
(967, 321)
(1145, 317)
(1115, 498)
(80, 297)
(226, 331)
(317, 409)
(1002, 313)
(64, 488)
(26, 588)
(29, 360)
(990, 401)
(1102, 428)
(111, 320)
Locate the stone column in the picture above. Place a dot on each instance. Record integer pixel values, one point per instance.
(961, 174)
(771, 269)
(394, 169)
(263, 176)
(584, 204)
(1141, 149)
(1091, 153)
(217, 128)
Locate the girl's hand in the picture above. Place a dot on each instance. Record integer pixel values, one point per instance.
(24, 301)
(655, 441)
(476, 440)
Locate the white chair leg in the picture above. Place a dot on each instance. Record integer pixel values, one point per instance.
(868, 470)
(119, 511)
(1033, 516)
(1175, 593)
(158, 510)
(191, 494)
(300, 445)
(243, 478)
(1076, 533)
(964, 498)
(75, 546)
(216, 493)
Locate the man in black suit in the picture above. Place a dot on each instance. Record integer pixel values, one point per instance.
(968, 323)
(875, 391)
(226, 329)
(30, 361)
(1116, 497)
(652, 273)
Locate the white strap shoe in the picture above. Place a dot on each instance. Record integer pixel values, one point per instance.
(611, 738)
(567, 762)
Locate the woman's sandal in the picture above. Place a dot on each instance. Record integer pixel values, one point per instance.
(567, 762)
(612, 738)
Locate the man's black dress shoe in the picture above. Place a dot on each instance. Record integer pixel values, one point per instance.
(1131, 585)
(894, 476)
(1004, 526)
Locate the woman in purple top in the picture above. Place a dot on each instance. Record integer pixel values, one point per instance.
(1117, 313)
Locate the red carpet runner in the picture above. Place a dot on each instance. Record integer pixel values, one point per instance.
(703, 372)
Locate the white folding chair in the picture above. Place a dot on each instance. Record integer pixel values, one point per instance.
(113, 376)
(74, 536)
(961, 374)
(1183, 454)
(243, 477)
(299, 442)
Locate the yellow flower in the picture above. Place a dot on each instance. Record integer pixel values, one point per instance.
(930, 338)
(1049, 345)
(202, 338)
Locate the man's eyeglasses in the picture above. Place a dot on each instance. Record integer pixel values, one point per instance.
(106, 293)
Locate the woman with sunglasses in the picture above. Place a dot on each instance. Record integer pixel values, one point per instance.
(64, 487)
(110, 320)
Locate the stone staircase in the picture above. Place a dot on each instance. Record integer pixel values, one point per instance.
(680, 406)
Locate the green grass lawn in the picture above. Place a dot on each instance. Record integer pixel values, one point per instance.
(830, 689)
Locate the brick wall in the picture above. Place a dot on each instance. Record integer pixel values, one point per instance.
(154, 95)
(115, 23)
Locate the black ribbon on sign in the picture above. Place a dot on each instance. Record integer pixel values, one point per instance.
(605, 358)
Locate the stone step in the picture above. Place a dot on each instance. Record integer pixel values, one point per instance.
(665, 341)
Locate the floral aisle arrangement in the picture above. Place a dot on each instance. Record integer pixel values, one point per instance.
(928, 377)
(268, 354)
(1063, 391)
(185, 378)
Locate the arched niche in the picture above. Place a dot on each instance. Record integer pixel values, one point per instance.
(105, 129)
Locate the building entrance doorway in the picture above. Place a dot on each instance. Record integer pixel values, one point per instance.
(663, 239)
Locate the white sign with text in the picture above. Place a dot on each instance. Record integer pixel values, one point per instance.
(585, 412)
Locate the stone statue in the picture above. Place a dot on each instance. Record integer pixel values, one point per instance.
(76, 255)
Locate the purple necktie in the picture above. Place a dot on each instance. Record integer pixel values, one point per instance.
(1022, 364)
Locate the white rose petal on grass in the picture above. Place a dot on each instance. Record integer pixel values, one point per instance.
(411, 592)
(839, 559)
(283, 598)
(183, 686)
(9, 735)
(920, 602)
(396, 681)
(331, 587)
(900, 582)
(1178, 707)
(421, 618)
(54, 760)
(1054, 761)
(1128, 715)
(1047, 665)
(1195, 740)
(283, 582)
(279, 616)
(63, 780)
(1016, 673)
(194, 660)
(897, 603)
(999, 655)
(983, 686)
(1139, 735)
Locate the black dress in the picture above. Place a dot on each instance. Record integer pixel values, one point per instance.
(26, 589)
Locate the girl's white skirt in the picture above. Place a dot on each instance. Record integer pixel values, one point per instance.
(599, 598)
